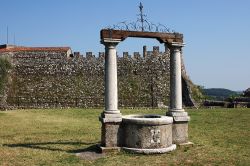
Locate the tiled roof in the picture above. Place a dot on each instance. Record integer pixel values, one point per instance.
(17, 49)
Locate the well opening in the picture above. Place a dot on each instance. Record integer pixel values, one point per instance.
(145, 116)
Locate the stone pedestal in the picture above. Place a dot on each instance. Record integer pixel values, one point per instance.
(180, 117)
(180, 132)
(111, 134)
(180, 126)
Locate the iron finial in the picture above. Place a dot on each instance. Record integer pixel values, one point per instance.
(141, 17)
(141, 24)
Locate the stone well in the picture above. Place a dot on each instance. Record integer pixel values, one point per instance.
(143, 133)
(147, 133)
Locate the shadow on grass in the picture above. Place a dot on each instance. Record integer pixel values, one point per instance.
(45, 146)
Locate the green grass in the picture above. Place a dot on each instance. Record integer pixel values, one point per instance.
(52, 136)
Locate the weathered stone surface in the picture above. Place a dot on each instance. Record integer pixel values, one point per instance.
(186, 144)
(180, 132)
(177, 113)
(47, 79)
(111, 134)
(144, 133)
(148, 119)
(103, 149)
(151, 151)
(148, 137)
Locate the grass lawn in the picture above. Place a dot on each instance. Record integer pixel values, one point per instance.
(53, 136)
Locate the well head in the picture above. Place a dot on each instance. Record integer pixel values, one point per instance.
(147, 119)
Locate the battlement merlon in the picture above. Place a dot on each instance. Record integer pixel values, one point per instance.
(122, 35)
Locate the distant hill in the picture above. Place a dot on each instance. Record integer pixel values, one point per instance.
(219, 93)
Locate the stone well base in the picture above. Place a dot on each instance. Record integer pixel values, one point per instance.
(147, 133)
(151, 151)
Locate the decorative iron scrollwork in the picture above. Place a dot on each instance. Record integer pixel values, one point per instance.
(141, 24)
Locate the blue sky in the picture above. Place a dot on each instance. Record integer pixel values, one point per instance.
(216, 32)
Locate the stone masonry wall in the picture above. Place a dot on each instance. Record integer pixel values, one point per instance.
(51, 79)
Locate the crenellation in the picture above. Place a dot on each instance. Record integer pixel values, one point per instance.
(144, 51)
(101, 55)
(136, 55)
(90, 55)
(156, 50)
(125, 55)
(77, 53)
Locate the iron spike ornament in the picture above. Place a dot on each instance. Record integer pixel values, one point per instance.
(141, 24)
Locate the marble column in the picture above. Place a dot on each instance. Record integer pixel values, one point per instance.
(111, 89)
(111, 116)
(180, 117)
(175, 78)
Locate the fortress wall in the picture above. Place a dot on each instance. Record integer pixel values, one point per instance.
(52, 79)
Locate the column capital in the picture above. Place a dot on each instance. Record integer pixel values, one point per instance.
(110, 41)
(175, 45)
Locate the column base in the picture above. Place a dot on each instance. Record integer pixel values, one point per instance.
(187, 144)
(180, 132)
(103, 149)
(111, 134)
(111, 129)
(180, 126)
(179, 115)
(109, 116)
